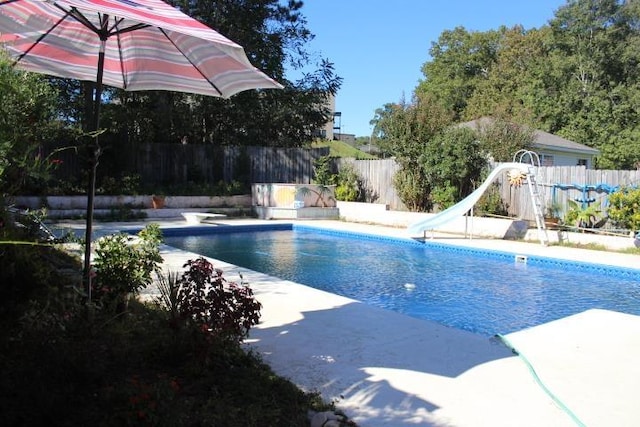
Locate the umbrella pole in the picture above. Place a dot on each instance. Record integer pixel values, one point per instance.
(94, 154)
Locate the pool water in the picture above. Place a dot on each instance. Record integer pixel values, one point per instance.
(479, 291)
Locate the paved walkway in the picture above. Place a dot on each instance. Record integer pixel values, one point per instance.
(387, 369)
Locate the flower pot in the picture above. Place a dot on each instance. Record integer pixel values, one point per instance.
(157, 202)
(552, 223)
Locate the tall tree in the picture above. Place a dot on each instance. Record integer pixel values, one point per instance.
(453, 163)
(405, 131)
(460, 61)
(576, 77)
(592, 40)
(274, 36)
(518, 81)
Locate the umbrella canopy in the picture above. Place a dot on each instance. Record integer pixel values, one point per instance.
(129, 44)
(148, 45)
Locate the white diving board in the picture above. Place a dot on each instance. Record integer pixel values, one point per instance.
(199, 217)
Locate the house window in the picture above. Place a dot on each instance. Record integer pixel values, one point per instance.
(582, 162)
(546, 160)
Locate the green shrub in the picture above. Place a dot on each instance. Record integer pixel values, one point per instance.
(36, 280)
(126, 184)
(349, 186)
(491, 203)
(413, 189)
(122, 213)
(323, 174)
(124, 265)
(444, 196)
(624, 208)
(582, 217)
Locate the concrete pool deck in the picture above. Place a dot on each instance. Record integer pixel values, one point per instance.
(387, 369)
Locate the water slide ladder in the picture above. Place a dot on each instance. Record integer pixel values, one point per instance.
(535, 192)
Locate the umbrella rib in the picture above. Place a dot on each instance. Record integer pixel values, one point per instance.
(114, 30)
(78, 16)
(191, 62)
(129, 29)
(124, 75)
(104, 32)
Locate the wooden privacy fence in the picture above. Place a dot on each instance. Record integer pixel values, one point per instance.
(160, 164)
(171, 163)
(558, 185)
(377, 180)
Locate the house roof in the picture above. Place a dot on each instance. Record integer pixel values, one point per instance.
(554, 142)
(542, 139)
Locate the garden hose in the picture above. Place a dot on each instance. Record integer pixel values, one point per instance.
(549, 393)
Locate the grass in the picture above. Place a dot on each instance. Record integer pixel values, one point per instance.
(591, 246)
(342, 149)
(64, 366)
(597, 247)
(632, 251)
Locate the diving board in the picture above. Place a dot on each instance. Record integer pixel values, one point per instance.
(199, 217)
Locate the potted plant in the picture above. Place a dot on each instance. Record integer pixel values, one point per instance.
(584, 216)
(553, 215)
(157, 201)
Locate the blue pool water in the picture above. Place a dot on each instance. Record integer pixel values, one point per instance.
(480, 291)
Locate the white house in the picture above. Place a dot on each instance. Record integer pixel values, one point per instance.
(552, 149)
(556, 151)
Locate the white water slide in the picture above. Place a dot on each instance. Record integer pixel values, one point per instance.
(465, 205)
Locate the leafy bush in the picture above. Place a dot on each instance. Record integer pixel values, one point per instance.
(218, 308)
(413, 189)
(124, 265)
(141, 372)
(28, 121)
(582, 217)
(126, 184)
(624, 208)
(122, 213)
(347, 181)
(491, 203)
(452, 163)
(323, 174)
(349, 186)
(221, 188)
(444, 196)
(36, 280)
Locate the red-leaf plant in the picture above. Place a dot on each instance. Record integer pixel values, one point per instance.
(217, 307)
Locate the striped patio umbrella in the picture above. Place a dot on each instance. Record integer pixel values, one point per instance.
(129, 44)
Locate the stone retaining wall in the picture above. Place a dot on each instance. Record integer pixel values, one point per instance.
(139, 202)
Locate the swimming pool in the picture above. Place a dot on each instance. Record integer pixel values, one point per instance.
(481, 291)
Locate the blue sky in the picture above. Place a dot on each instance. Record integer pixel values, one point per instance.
(379, 46)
